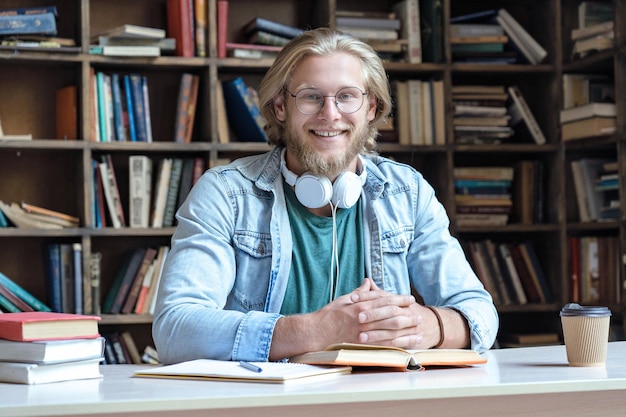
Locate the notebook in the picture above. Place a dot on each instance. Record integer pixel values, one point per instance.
(209, 369)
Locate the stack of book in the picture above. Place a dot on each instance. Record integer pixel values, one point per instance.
(510, 272)
(44, 347)
(29, 27)
(513, 45)
(29, 216)
(136, 282)
(596, 185)
(480, 114)
(14, 298)
(588, 106)
(269, 32)
(595, 31)
(483, 195)
(419, 112)
(379, 29)
(588, 120)
(132, 40)
(480, 43)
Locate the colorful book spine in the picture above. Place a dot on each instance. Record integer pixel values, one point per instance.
(28, 24)
(23, 294)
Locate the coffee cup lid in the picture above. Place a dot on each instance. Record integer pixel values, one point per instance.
(574, 309)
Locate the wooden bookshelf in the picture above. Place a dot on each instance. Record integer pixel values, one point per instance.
(57, 173)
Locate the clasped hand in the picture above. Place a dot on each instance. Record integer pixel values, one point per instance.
(374, 316)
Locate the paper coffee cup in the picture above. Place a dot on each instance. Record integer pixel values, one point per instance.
(586, 334)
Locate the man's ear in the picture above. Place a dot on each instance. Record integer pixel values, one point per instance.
(279, 107)
(371, 111)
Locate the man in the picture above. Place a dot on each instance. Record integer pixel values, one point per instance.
(317, 241)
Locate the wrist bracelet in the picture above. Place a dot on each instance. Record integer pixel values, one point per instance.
(442, 334)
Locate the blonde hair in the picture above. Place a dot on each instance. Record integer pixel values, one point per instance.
(322, 42)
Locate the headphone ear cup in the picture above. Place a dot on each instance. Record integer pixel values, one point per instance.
(313, 191)
(346, 190)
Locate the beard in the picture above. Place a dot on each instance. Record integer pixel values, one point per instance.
(330, 166)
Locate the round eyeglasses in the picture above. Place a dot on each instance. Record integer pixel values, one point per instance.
(311, 100)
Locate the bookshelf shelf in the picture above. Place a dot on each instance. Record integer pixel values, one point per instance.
(58, 173)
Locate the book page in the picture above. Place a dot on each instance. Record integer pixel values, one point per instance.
(232, 370)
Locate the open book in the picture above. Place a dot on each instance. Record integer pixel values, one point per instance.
(353, 354)
(208, 369)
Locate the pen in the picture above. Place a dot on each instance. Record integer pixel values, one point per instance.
(250, 366)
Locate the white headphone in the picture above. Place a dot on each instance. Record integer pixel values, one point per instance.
(314, 191)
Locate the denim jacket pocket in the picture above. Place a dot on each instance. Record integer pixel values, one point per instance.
(396, 241)
(257, 245)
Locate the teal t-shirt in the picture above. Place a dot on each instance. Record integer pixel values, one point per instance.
(310, 277)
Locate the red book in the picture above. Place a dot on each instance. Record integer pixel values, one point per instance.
(180, 26)
(222, 27)
(44, 325)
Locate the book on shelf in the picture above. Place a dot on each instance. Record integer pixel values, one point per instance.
(587, 111)
(353, 354)
(22, 293)
(511, 273)
(126, 50)
(504, 286)
(112, 192)
(66, 113)
(458, 30)
(133, 31)
(180, 26)
(14, 11)
(520, 111)
(47, 325)
(186, 107)
(586, 128)
(270, 26)
(249, 53)
(124, 278)
(370, 33)
(594, 12)
(172, 192)
(581, 89)
(186, 180)
(200, 10)
(585, 171)
(19, 218)
(40, 24)
(431, 30)
(15, 303)
(387, 22)
(242, 110)
(531, 286)
(166, 45)
(484, 273)
(159, 201)
(51, 351)
(210, 370)
(94, 277)
(78, 278)
(131, 347)
(140, 190)
(584, 47)
(150, 282)
(409, 14)
(222, 27)
(34, 373)
(71, 221)
(266, 38)
(137, 281)
(527, 45)
(601, 28)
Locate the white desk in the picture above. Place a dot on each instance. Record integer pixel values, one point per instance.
(515, 382)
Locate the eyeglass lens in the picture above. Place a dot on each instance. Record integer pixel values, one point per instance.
(311, 100)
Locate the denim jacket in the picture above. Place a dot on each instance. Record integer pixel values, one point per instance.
(225, 277)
